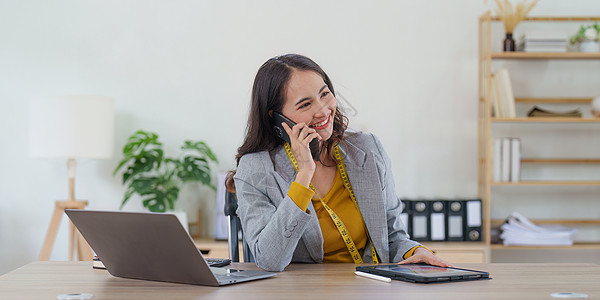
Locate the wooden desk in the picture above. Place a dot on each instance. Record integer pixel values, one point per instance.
(45, 280)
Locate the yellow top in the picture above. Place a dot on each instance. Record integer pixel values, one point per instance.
(338, 199)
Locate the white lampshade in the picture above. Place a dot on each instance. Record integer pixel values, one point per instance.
(72, 127)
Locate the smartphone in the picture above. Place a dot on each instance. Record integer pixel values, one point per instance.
(277, 119)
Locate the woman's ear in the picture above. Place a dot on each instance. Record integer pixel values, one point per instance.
(271, 113)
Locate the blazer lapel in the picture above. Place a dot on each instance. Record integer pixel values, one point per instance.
(285, 175)
(362, 171)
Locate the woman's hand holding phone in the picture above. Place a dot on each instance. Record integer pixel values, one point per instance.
(300, 137)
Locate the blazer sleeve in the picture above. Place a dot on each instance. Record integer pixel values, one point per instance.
(272, 227)
(398, 239)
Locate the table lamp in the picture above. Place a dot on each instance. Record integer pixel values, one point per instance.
(71, 128)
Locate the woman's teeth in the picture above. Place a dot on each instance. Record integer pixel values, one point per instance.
(322, 123)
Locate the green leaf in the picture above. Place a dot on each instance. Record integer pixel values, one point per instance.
(140, 140)
(121, 163)
(155, 203)
(144, 185)
(171, 196)
(128, 195)
(193, 169)
(201, 147)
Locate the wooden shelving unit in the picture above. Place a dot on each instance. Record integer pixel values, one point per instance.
(487, 122)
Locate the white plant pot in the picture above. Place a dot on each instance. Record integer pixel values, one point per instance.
(589, 46)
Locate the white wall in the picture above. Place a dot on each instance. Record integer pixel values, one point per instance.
(184, 69)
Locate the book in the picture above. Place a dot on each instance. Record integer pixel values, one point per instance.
(504, 94)
(505, 159)
(540, 112)
(494, 98)
(543, 41)
(515, 159)
(497, 160)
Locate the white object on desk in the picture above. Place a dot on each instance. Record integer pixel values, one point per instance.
(569, 295)
(76, 296)
(372, 276)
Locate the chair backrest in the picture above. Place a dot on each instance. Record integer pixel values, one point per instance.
(235, 228)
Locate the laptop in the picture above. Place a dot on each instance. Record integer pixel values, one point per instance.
(151, 246)
(422, 273)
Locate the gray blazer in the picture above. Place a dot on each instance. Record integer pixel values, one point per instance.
(279, 232)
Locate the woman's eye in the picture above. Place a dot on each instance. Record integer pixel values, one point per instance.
(325, 94)
(306, 104)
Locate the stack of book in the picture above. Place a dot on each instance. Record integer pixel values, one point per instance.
(543, 42)
(519, 231)
(507, 159)
(503, 100)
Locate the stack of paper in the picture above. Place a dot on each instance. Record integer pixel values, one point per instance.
(518, 230)
(543, 42)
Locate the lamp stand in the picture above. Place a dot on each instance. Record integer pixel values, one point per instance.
(84, 252)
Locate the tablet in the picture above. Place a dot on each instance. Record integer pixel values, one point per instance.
(422, 273)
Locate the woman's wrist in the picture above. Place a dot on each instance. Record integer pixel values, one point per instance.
(304, 177)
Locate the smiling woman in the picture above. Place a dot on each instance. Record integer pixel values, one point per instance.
(340, 206)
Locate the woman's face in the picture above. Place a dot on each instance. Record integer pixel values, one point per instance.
(308, 100)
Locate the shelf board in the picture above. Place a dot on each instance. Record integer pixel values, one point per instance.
(548, 182)
(576, 246)
(560, 161)
(585, 100)
(556, 221)
(546, 120)
(555, 100)
(545, 55)
(552, 19)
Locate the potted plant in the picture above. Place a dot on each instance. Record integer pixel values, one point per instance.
(588, 38)
(157, 179)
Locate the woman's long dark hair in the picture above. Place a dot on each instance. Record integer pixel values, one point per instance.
(268, 94)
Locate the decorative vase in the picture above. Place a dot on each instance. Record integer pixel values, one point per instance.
(509, 43)
(589, 46)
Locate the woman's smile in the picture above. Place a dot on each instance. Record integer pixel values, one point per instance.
(322, 124)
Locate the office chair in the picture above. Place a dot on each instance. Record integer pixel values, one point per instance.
(235, 227)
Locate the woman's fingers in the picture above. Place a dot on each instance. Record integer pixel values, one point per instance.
(425, 257)
(410, 260)
(287, 128)
(301, 132)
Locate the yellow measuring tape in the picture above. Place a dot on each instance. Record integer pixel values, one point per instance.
(336, 220)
